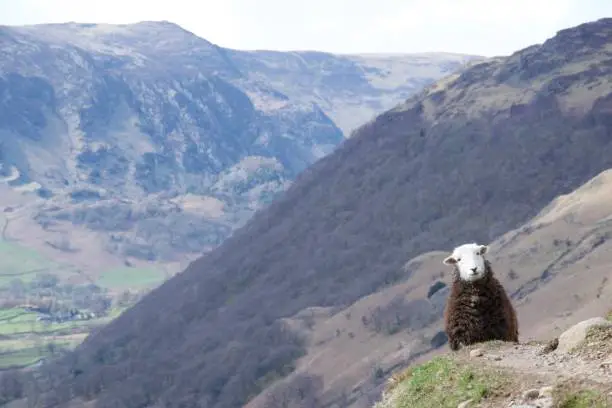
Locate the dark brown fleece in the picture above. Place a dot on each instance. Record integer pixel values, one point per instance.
(479, 311)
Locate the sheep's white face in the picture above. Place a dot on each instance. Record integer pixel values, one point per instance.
(469, 259)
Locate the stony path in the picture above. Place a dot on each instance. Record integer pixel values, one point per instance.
(528, 359)
(589, 363)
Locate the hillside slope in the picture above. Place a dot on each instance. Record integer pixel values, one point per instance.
(494, 374)
(351, 89)
(542, 264)
(351, 352)
(146, 143)
(464, 161)
(129, 130)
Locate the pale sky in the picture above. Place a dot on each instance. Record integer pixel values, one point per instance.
(484, 27)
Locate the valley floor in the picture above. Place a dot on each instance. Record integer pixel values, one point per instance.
(38, 293)
(25, 340)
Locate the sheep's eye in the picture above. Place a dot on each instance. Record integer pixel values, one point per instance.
(458, 259)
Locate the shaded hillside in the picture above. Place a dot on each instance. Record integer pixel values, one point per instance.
(556, 266)
(466, 160)
(157, 144)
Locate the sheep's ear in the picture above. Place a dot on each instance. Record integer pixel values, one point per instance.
(483, 249)
(449, 260)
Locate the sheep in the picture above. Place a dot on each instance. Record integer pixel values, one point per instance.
(478, 308)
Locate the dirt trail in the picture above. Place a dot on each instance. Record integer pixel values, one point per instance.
(539, 365)
(591, 365)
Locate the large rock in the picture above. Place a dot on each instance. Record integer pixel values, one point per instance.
(576, 334)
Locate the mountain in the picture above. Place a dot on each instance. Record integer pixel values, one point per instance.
(153, 144)
(351, 89)
(467, 159)
(542, 264)
(539, 263)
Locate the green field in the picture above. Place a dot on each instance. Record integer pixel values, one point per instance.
(17, 261)
(132, 278)
(23, 339)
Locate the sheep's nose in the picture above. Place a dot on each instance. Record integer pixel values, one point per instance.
(473, 270)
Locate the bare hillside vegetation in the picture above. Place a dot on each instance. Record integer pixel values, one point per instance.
(557, 268)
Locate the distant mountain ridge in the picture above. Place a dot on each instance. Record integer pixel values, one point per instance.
(351, 89)
(467, 159)
(162, 142)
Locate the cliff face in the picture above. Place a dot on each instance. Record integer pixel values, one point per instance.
(163, 142)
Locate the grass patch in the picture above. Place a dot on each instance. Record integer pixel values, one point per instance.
(582, 399)
(26, 323)
(68, 342)
(32, 351)
(24, 340)
(23, 322)
(441, 382)
(134, 278)
(7, 315)
(21, 358)
(17, 261)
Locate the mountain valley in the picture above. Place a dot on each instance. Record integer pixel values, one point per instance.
(337, 282)
(144, 145)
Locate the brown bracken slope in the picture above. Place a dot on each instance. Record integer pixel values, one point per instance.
(468, 159)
